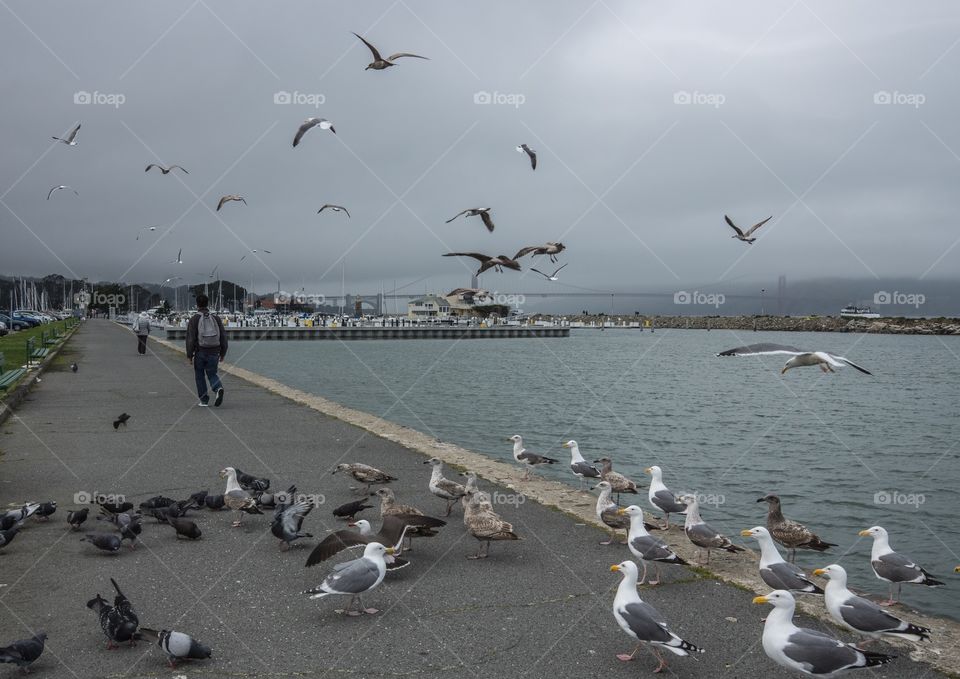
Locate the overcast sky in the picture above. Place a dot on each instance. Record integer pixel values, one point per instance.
(651, 121)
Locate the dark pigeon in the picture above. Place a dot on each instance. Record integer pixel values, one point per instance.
(45, 510)
(185, 527)
(199, 498)
(25, 652)
(248, 482)
(108, 542)
(350, 509)
(121, 419)
(115, 507)
(76, 517)
(214, 501)
(74, 367)
(156, 502)
(118, 622)
(288, 519)
(128, 524)
(7, 536)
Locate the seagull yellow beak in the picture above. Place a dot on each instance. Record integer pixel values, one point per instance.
(614, 568)
(760, 600)
(820, 571)
(389, 550)
(621, 511)
(564, 445)
(647, 471)
(957, 569)
(864, 533)
(746, 533)
(783, 371)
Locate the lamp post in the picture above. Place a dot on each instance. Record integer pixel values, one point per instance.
(762, 290)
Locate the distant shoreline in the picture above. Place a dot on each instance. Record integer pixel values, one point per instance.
(890, 326)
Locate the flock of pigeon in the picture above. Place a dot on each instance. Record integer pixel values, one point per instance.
(806, 650)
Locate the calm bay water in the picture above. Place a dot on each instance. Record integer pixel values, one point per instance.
(844, 451)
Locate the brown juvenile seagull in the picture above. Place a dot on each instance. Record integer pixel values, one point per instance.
(488, 262)
(442, 487)
(390, 507)
(618, 482)
(71, 138)
(364, 474)
(484, 213)
(335, 208)
(549, 248)
(745, 236)
(227, 199)
(165, 170)
(790, 534)
(523, 148)
(379, 63)
(484, 524)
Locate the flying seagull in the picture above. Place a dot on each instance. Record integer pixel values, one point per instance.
(59, 188)
(335, 208)
(824, 359)
(807, 650)
(179, 259)
(309, 124)
(484, 213)
(550, 277)
(745, 236)
(549, 248)
(255, 252)
(227, 199)
(71, 138)
(488, 262)
(523, 148)
(165, 170)
(146, 228)
(379, 63)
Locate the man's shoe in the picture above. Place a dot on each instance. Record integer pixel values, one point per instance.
(219, 399)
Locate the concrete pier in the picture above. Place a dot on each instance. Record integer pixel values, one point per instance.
(378, 333)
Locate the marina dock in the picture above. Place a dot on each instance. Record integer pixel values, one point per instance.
(381, 333)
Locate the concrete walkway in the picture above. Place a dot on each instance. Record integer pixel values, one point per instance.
(537, 608)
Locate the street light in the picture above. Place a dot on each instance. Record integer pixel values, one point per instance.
(762, 290)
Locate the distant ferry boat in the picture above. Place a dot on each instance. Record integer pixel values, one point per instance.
(854, 311)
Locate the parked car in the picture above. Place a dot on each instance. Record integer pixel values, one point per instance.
(28, 320)
(14, 324)
(3, 329)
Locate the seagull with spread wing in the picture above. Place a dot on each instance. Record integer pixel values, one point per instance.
(165, 170)
(379, 63)
(71, 138)
(60, 188)
(309, 124)
(826, 360)
(745, 235)
(335, 208)
(227, 199)
(523, 148)
(483, 212)
(549, 248)
(550, 277)
(488, 262)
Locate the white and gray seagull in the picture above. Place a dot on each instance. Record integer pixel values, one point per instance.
(826, 360)
(335, 208)
(550, 277)
(61, 187)
(776, 572)
(71, 138)
(892, 566)
(309, 124)
(179, 259)
(526, 458)
(745, 235)
(483, 212)
(523, 148)
(355, 578)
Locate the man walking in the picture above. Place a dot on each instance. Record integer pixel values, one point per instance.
(206, 347)
(141, 328)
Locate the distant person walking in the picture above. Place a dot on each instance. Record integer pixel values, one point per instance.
(141, 328)
(206, 347)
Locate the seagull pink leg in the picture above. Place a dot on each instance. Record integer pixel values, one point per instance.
(624, 657)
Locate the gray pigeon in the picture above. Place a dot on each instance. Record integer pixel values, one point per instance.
(7, 536)
(177, 645)
(45, 510)
(108, 542)
(287, 521)
(25, 652)
(128, 525)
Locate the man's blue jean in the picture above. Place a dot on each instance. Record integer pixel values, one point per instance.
(205, 368)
